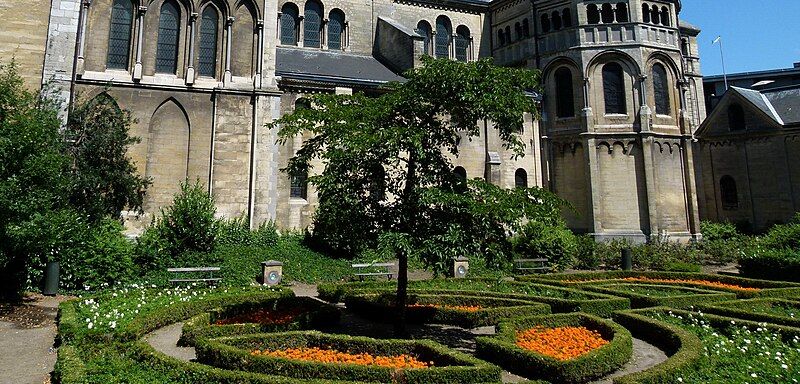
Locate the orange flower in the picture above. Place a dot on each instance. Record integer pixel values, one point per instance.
(465, 308)
(706, 283)
(333, 356)
(264, 316)
(562, 343)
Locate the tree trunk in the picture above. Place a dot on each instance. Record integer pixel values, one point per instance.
(400, 330)
(406, 227)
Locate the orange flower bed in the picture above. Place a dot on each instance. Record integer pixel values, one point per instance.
(465, 308)
(562, 343)
(334, 356)
(706, 283)
(264, 316)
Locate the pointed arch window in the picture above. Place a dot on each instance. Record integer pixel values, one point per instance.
(614, 89)
(289, 15)
(209, 26)
(736, 118)
(661, 90)
(119, 37)
(424, 30)
(312, 24)
(565, 103)
(335, 29)
(443, 33)
(728, 193)
(168, 37)
(520, 179)
(566, 18)
(462, 43)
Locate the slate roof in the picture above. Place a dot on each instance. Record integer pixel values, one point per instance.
(335, 67)
(759, 101)
(786, 103)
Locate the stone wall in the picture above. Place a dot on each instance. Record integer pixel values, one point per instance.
(23, 37)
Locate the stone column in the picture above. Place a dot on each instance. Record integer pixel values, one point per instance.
(278, 30)
(190, 69)
(228, 41)
(260, 59)
(453, 46)
(645, 114)
(346, 39)
(586, 112)
(82, 36)
(323, 35)
(300, 30)
(648, 152)
(137, 68)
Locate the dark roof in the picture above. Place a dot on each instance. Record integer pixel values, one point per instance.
(786, 103)
(328, 66)
(758, 100)
(771, 73)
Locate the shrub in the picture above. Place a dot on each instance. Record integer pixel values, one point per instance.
(236, 232)
(680, 266)
(586, 256)
(784, 236)
(651, 295)
(775, 311)
(771, 264)
(553, 242)
(724, 231)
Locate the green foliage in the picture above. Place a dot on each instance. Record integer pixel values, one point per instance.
(104, 179)
(772, 264)
(651, 295)
(712, 231)
(769, 310)
(236, 232)
(556, 243)
(680, 266)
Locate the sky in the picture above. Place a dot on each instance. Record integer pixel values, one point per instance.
(756, 34)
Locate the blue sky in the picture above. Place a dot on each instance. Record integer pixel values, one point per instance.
(757, 34)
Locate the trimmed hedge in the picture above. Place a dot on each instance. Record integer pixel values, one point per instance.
(749, 310)
(675, 297)
(449, 366)
(493, 310)
(502, 349)
(202, 326)
(571, 300)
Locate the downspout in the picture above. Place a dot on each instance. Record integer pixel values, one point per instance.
(213, 140)
(253, 137)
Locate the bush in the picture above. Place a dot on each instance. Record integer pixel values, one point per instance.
(680, 266)
(771, 264)
(586, 256)
(785, 236)
(768, 310)
(724, 231)
(553, 242)
(236, 232)
(652, 295)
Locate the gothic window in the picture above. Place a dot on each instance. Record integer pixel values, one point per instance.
(443, 33)
(424, 30)
(462, 43)
(335, 29)
(566, 18)
(565, 103)
(545, 23)
(526, 28)
(299, 185)
(665, 16)
(607, 13)
(168, 30)
(646, 13)
(593, 14)
(207, 60)
(661, 90)
(312, 24)
(518, 30)
(736, 118)
(614, 89)
(501, 38)
(622, 13)
(521, 178)
(728, 193)
(556, 20)
(289, 16)
(119, 39)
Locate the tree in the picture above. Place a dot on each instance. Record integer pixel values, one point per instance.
(388, 179)
(104, 179)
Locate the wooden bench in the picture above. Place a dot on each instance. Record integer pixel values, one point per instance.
(531, 265)
(373, 269)
(183, 271)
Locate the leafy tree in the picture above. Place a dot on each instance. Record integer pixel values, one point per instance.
(104, 178)
(388, 177)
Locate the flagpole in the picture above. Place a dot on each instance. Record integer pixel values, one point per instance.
(722, 56)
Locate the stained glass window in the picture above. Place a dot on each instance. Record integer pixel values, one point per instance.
(565, 105)
(119, 39)
(168, 28)
(462, 43)
(312, 24)
(661, 90)
(335, 29)
(614, 89)
(207, 61)
(289, 15)
(443, 32)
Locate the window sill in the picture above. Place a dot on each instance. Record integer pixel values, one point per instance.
(297, 201)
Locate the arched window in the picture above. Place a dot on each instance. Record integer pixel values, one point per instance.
(424, 30)
(526, 28)
(509, 38)
(299, 185)
(207, 53)
(655, 15)
(556, 20)
(614, 89)
(289, 15)
(593, 14)
(545, 23)
(665, 16)
(119, 36)
(462, 43)
(685, 47)
(302, 103)
(312, 24)
(736, 118)
(607, 13)
(443, 33)
(168, 36)
(646, 13)
(335, 29)
(521, 178)
(622, 13)
(461, 179)
(566, 18)
(501, 37)
(661, 90)
(518, 30)
(728, 193)
(565, 103)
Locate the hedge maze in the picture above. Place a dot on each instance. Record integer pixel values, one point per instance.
(560, 328)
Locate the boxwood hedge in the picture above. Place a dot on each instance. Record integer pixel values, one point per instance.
(653, 295)
(502, 349)
(760, 310)
(449, 366)
(492, 310)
